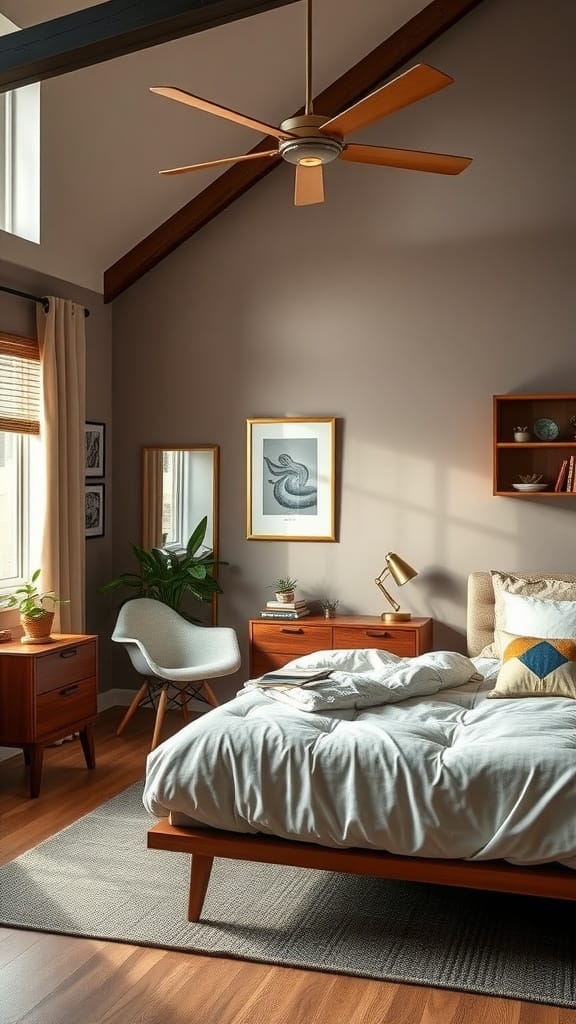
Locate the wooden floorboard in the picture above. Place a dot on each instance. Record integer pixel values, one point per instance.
(55, 979)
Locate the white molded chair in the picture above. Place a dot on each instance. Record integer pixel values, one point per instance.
(172, 654)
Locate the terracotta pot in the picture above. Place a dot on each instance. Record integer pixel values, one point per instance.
(37, 631)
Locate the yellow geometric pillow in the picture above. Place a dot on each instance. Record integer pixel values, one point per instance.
(533, 667)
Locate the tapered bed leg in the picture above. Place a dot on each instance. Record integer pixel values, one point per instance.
(200, 869)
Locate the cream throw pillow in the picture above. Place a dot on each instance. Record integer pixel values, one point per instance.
(536, 667)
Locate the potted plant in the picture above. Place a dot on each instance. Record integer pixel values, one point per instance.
(36, 620)
(166, 575)
(284, 588)
(329, 607)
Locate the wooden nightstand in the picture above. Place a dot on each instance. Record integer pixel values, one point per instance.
(48, 691)
(274, 642)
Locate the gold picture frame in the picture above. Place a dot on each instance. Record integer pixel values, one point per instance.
(291, 478)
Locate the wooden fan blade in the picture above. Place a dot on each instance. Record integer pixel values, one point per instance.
(214, 108)
(416, 83)
(308, 185)
(409, 159)
(216, 163)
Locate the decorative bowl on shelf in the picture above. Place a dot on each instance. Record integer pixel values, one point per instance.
(546, 429)
(530, 487)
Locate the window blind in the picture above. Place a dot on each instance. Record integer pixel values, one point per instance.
(19, 385)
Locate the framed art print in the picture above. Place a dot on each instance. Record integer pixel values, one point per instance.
(291, 479)
(94, 452)
(94, 510)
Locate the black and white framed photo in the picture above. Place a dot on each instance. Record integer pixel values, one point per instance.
(94, 449)
(94, 510)
(291, 479)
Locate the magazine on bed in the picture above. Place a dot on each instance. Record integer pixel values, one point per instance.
(293, 677)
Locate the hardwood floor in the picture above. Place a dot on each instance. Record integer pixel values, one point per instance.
(55, 979)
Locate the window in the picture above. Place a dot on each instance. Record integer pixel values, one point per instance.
(20, 157)
(21, 492)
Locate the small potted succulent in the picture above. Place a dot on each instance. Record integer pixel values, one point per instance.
(521, 434)
(329, 607)
(35, 618)
(284, 588)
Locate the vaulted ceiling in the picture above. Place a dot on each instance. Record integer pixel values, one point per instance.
(105, 136)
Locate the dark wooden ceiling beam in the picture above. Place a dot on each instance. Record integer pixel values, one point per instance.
(385, 60)
(110, 30)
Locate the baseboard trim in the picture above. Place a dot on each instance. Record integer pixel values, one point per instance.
(115, 698)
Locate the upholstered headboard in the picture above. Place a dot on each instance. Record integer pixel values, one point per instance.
(480, 610)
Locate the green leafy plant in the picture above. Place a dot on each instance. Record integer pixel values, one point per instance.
(30, 601)
(167, 575)
(284, 585)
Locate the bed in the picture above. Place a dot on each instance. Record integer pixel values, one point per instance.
(442, 777)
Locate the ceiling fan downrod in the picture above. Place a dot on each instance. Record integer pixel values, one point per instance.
(308, 109)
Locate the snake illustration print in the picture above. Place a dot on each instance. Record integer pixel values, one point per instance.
(291, 488)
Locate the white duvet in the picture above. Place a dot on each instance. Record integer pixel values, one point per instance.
(396, 754)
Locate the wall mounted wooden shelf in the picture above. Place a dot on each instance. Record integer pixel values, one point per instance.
(513, 459)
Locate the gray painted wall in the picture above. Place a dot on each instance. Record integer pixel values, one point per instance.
(400, 307)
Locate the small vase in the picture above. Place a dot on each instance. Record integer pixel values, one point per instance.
(37, 631)
(521, 435)
(285, 597)
(328, 613)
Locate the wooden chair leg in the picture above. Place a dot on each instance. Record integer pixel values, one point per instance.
(162, 702)
(133, 708)
(210, 695)
(183, 698)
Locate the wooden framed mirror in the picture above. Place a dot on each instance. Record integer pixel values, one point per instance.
(180, 485)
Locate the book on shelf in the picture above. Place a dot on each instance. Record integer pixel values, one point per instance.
(561, 475)
(288, 605)
(570, 474)
(275, 613)
(293, 677)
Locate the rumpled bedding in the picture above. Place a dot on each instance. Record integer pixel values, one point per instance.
(395, 754)
(365, 678)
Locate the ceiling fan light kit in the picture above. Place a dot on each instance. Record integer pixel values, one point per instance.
(309, 141)
(310, 147)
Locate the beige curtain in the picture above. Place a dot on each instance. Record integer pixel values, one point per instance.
(62, 344)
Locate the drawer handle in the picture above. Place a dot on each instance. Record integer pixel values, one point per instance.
(69, 654)
(298, 630)
(68, 690)
(377, 632)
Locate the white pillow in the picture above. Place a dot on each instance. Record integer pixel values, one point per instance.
(547, 588)
(536, 616)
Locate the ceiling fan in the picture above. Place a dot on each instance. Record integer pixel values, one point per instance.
(311, 140)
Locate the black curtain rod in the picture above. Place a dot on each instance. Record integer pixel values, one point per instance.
(43, 299)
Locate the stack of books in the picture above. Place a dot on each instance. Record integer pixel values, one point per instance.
(293, 677)
(285, 610)
(566, 479)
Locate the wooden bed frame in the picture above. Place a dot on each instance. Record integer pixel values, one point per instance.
(204, 844)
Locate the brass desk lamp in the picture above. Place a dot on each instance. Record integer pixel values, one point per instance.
(400, 572)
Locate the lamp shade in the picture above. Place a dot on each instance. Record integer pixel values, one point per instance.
(399, 570)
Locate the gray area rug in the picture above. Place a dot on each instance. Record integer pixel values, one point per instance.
(97, 879)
